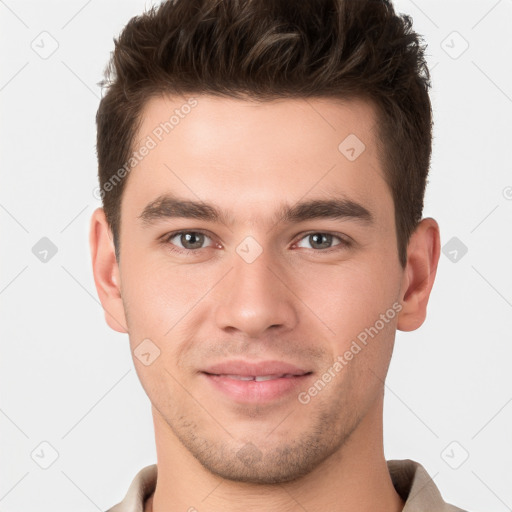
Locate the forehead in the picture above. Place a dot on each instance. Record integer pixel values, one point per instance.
(289, 123)
(249, 156)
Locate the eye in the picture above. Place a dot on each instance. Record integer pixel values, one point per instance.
(186, 240)
(192, 241)
(324, 241)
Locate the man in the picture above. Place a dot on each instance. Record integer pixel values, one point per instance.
(262, 166)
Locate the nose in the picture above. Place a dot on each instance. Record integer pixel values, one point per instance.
(256, 297)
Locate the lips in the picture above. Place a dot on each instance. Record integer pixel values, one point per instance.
(266, 381)
(259, 378)
(264, 370)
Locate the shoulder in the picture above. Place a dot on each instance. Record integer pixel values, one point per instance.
(417, 488)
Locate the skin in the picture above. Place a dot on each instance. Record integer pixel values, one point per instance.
(295, 302)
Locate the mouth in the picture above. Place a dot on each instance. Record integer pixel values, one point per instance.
(247, 385)
(266, 369)
(259, 378)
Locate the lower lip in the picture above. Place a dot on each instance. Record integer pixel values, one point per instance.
(254, 391)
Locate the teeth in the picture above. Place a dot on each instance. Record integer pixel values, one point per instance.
(259, 378)
(266, 377)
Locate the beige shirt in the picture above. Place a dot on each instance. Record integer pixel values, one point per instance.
(410, 479)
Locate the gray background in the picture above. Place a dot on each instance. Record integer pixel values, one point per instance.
(68, 381)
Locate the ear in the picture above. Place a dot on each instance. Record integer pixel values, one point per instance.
(422, 258)
(106, 271)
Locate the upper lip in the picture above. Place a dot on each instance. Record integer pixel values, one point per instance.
(247, 369)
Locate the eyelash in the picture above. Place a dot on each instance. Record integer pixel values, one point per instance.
(345, 243)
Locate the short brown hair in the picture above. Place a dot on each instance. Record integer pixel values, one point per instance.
(269, 49)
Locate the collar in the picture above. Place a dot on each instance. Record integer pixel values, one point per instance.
(410, 479)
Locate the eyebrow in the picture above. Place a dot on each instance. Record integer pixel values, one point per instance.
(338, 208)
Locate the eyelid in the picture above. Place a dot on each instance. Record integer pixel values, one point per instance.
(345, 241)
(168, 236)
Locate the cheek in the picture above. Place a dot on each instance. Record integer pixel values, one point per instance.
(349, 296)
(350, 299)
(158, 294)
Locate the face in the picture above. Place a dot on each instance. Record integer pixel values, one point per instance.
(287, 264)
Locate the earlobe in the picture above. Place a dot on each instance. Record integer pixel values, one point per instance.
(106, 271)
(422, 258)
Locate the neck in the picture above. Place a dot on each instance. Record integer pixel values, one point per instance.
(354, 478)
